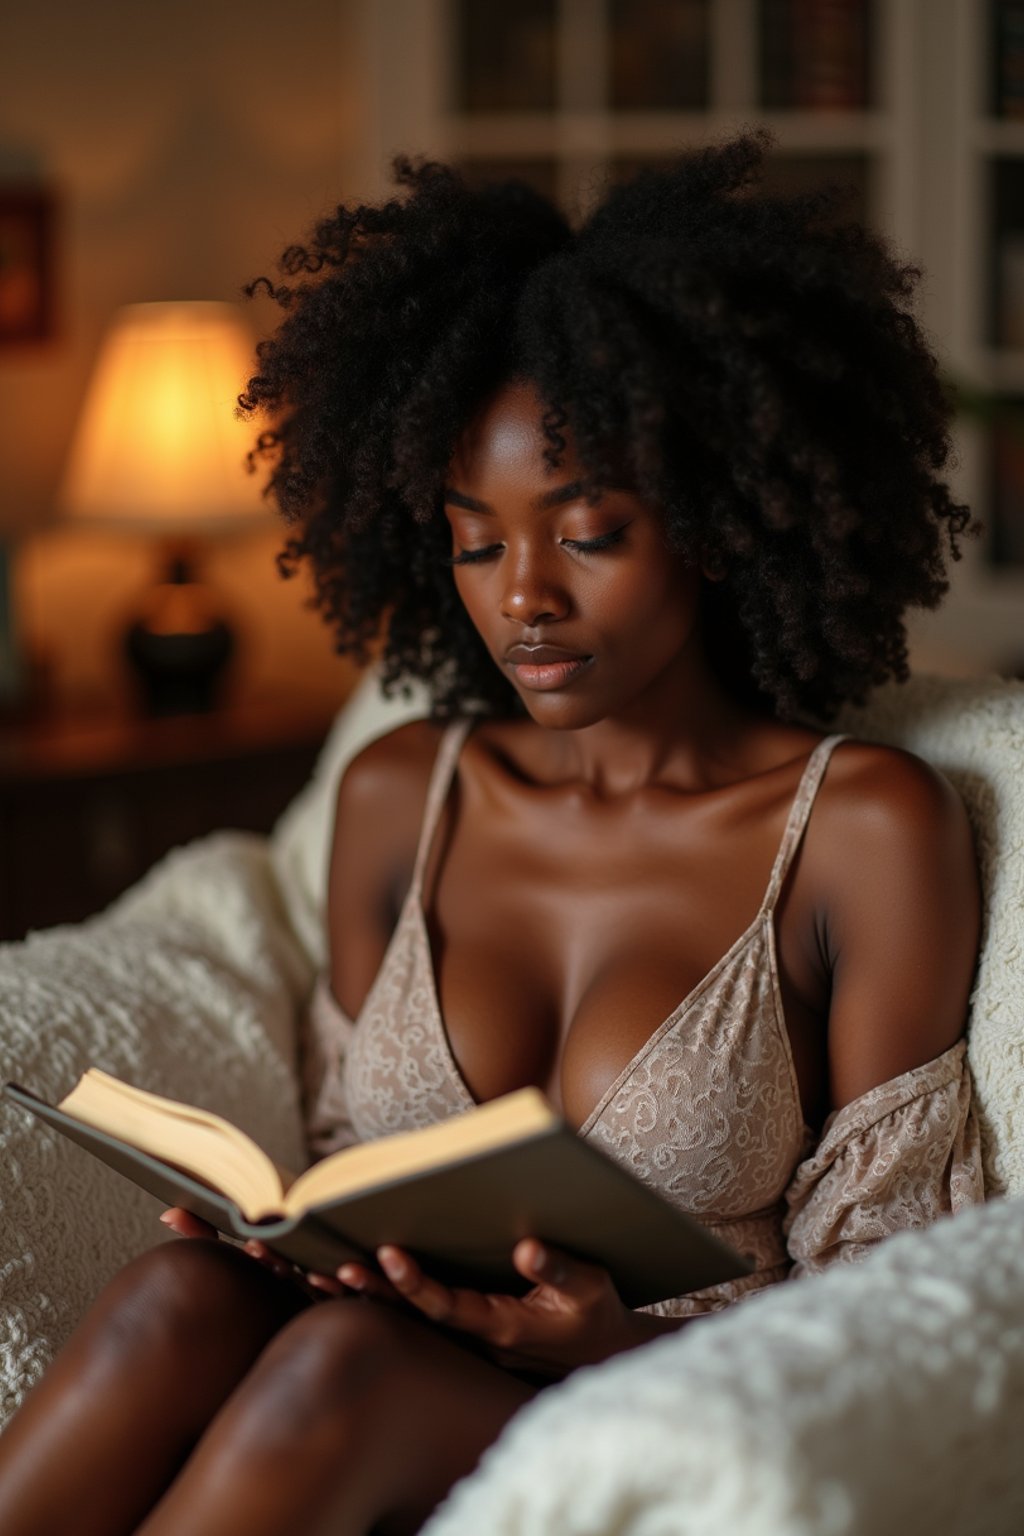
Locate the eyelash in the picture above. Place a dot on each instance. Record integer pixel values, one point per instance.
(582, 546)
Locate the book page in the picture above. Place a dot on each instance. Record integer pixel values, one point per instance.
(514, 1116)
(203, 1144)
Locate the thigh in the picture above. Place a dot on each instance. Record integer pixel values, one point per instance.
(109, 1425)
(452, 1404)
(429, 1406)
(357, 1416)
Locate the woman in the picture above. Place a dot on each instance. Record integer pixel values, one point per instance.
(643, 503)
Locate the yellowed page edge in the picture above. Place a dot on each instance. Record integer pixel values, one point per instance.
(213, 1149)
(522, 1113)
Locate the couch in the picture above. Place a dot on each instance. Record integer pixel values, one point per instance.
(886, 1396)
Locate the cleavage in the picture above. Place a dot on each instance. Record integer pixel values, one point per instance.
(560, 971)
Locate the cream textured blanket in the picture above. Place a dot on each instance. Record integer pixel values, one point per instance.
(884, 1398)
(190, 986)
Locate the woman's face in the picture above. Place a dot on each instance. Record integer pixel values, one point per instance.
(616, 622)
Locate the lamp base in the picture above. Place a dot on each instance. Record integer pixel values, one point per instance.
(179, 648)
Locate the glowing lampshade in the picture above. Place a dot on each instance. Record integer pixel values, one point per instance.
(158, 447)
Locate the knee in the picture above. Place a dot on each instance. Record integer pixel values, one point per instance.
(323, 1367)
(178, 1298)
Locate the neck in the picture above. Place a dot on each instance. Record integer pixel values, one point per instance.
(683, 730)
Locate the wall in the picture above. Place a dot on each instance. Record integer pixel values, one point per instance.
(189, 145)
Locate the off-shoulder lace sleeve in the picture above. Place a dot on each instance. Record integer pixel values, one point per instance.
(325, 1032)
(900, 1156)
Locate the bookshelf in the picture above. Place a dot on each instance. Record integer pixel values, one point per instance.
(916, 105)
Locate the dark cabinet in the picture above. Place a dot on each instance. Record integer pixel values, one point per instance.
(87, 806)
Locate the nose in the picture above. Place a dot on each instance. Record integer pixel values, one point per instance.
(531, 593)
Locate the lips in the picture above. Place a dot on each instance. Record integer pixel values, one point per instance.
(546, 668)
(540, 655)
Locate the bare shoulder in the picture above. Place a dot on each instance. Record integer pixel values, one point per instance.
(378, 814)
(393, 764)
(887, 794)
(898, 892)
(381, 796)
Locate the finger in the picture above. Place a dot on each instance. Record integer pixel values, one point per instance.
(266, 1256)
(284, 1269)
(327, 1284)
(540, 1263)
(360, 1278)
(560, 1271)
(439, 1302)
(187, 1225)
(493, 1319)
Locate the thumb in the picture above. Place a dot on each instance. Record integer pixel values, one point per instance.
(551, 1266)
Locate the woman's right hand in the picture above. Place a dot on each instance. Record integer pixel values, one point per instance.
(317, 1287)
(186, 1225)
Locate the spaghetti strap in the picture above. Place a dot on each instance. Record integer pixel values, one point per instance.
(799, 813)
(437, 790)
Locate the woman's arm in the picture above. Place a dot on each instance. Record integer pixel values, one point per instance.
(377, 818)
(900, 922)
(901, 919)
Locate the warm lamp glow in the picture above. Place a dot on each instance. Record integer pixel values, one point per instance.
(158, 446)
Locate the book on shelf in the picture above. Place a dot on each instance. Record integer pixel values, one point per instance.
(458, 1194)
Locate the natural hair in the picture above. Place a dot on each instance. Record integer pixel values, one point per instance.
(754, 356)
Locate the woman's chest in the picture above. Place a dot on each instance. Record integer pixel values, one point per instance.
(686, 1077)
(560, 947)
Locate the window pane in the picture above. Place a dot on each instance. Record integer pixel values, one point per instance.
(1006, 320)
(1006, 500)
(658, 54)
(505, 55)
(1006, 57)
(816, 55)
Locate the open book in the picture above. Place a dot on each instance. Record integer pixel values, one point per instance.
(458, 1195)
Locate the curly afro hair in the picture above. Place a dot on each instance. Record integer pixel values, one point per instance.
(753, 355)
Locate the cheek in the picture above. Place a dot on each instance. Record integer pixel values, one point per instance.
(468, 593)
(655, 605)
(478, 602)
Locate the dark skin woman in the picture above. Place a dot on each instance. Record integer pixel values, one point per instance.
(694, 448)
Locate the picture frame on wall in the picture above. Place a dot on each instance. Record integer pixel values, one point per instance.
(27, 220)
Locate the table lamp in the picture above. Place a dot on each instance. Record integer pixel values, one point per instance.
(159, 451)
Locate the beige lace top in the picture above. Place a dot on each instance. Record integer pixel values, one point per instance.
(707, 1111)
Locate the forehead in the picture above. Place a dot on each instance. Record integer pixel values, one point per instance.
(506, 437)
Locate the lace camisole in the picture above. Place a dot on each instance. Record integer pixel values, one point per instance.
(707, 1110)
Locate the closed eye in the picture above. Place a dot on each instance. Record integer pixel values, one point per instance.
(589, 546)
(581, 546)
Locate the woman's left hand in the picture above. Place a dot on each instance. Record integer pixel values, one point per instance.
(573, 1316)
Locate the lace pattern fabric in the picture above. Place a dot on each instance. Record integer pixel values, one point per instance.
(707, 1111)
(899, 1157)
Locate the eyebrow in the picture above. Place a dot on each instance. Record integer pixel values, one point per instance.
(540, 503)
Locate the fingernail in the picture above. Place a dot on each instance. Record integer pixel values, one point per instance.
(540, 1258)
(351, 1277)
(393, 1266)
(165, 1219)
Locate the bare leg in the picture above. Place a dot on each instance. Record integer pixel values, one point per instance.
(356, 1418)
(108, 1427)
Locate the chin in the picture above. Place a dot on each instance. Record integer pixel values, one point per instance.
(560, 712)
